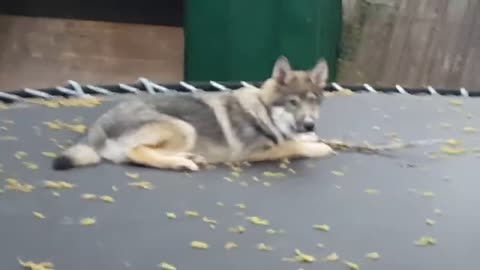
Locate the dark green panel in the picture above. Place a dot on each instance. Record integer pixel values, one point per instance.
(240, 40)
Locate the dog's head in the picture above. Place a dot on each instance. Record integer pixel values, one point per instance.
(295, 96)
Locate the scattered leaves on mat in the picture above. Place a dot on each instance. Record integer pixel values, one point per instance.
(166, 266)
(352, 265)
(373, 256)
(430, 222)
(333, 257)
(199, 245)
(304, 258)
(230, 245)
(142, 185)
(258, 221)
(88, 221)
(321, 227)
(36, 266)
(39, 215)
(273, 174)
(49, 154)
(264, 247)
(58, 185)
(425, 241)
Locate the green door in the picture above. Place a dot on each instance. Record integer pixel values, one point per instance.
(231, 40)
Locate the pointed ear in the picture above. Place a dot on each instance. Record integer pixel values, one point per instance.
(319, 74)
(282, 72)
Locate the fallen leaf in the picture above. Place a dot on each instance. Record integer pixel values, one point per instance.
(39, 215)
(166, 266)
(199, 245)
(322, 227)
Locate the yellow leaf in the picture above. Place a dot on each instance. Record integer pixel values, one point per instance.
(338, 173)
(351, 265)
(39, 215)
(132, 175)
(36, 266)
(373, 256)
(331, 258)
(87, 221)
(274, 174)
(372, 191)
(166, 266)
(238, 229)
(469, 130)
(199, 245)
(106, 198)
(302, 257)
(30, 165)
(171, 215)
(88, 196)
(264, 247)
(230, 245)
(191, 213)
(428, 194)
(426, 241)
(143, 185)
(49, 154)
(241, 206)
(322, 227)
(258, 221)
(430, 222)
(209, 221)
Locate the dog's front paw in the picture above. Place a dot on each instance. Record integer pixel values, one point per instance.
(317, 150)
(306, 137)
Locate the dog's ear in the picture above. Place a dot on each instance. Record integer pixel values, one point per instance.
(319, 74)
(282, 72)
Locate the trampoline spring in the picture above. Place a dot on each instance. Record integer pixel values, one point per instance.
(464, 92)
(147, 84)
(432, 91)
(369, 88)
(99, 90)
(11, 97)
(160, 87)
(76, 86)
(400, 89)
(189, 87)
(337, 86)
(66, 91)
(246, 84)
(128, 88)
(37, 93)
(219, 86)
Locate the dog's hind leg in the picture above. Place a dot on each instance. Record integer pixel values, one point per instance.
(293, 149)
(168, 146)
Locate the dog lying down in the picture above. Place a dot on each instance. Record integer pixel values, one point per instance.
(185, 131)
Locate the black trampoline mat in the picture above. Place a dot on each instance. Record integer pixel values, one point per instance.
(135, 233)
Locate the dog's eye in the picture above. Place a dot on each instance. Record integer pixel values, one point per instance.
(293, 101)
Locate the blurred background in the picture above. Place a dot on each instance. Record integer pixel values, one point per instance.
(381, 42)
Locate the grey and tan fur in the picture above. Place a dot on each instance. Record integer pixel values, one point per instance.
(185, 131)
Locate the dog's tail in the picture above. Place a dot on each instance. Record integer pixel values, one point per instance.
(76, 156)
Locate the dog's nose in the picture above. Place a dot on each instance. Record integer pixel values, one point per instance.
(309, 126)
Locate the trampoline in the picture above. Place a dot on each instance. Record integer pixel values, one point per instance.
(415, 206)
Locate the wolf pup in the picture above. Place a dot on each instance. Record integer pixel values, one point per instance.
(185, 131)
